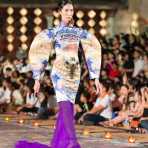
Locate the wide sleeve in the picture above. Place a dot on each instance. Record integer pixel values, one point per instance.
(92, 52)
(40, 51)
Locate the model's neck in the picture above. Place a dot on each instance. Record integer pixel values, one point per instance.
(66, 23)
(63, 23)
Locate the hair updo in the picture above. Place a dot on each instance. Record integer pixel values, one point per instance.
(62, 3)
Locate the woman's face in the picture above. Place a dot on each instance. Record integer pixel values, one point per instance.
(103, 90)
(123, 90)
(67, 13)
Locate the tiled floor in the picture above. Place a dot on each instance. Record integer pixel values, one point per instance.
(11, 131)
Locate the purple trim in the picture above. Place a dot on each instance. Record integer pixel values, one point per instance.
(64, 135)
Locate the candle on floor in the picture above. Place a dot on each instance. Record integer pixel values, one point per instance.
(131, 139)
(7, 119)
(21, 121)
(108, 135)
(86, 132)
(36, 124)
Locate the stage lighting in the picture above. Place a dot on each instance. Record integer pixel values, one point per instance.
(10, 29)
(10, 10)
(10, 47)
(80, 14)
(91, 13)
(23, 11)
(80, 23)
(23, 38)
(10, 20)
(24, 46)
(92, 30)
(91, 23)
(103, 23)
(103, 14)
(37, 20)
(103, 31)
(10, 38)
(37, 11)
(23, 20)
(23, 29)
(37, 29)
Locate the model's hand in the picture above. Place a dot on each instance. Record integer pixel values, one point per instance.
(36, 87)
(98, 86)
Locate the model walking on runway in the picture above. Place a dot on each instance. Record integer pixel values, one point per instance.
(65, 75)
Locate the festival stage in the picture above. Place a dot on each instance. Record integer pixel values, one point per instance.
(13, 128)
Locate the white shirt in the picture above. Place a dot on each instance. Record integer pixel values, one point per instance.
(17, 97)
(1, 92)
(5, 96)
(31, 99)
(138, 66)
(25, 69)
(106, 103)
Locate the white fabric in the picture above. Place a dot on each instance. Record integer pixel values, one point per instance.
(1, 92)
(18, 99)
(138, 66)
(31, 99)
(106, 103)
(5, 96)
(112, 97)
(25, 69)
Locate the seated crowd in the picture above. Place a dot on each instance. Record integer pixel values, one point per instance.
(122, 101)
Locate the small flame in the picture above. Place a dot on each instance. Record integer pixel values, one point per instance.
(131, 139)
(108, 135)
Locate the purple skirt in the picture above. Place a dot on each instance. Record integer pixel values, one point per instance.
(64, 134)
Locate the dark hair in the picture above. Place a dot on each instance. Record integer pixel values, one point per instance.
(7, 80)
(105, 84)
(16, 85)
(8, 69)
(125, 85)
(62, 3)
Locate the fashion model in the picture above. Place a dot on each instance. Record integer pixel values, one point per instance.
(65, 75)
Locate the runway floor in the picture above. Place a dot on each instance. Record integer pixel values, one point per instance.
(11, 131)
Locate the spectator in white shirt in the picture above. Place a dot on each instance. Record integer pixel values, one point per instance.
(102, 110)
(32, 103)
(17, 98)
(6, 89)
(138, 63)
(5, 94)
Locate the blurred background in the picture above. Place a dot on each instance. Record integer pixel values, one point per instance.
(20, 21)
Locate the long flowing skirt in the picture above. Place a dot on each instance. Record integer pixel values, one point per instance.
(64, 134)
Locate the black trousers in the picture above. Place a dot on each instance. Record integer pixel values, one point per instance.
(93, 119)
(145, 114)
(32, 110)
